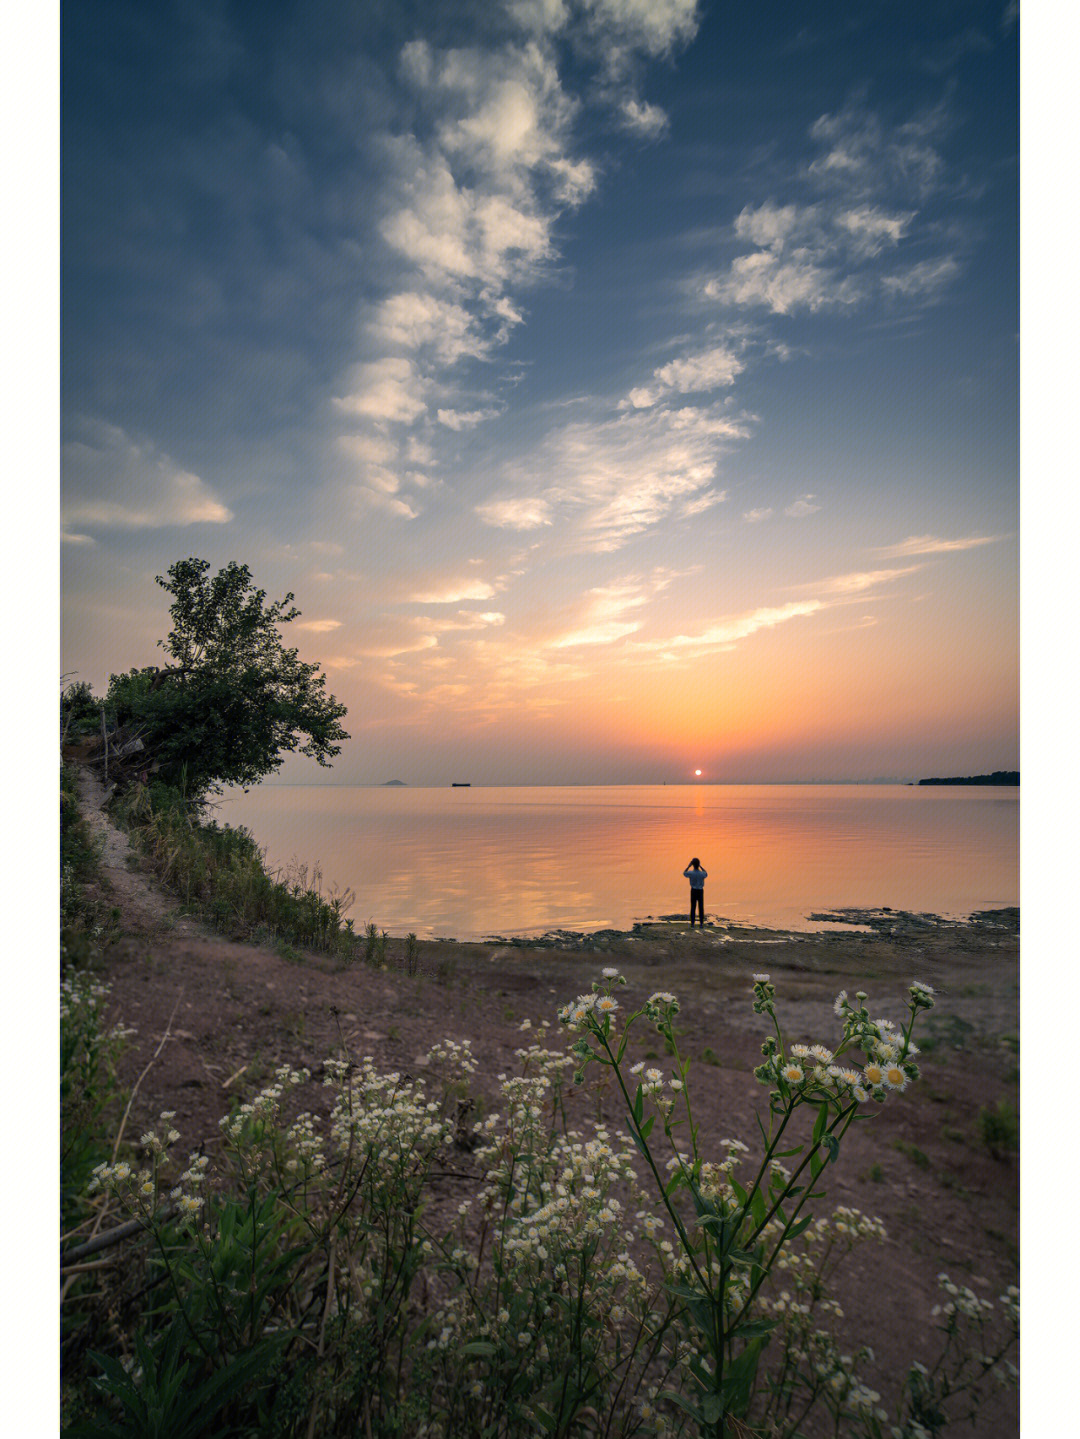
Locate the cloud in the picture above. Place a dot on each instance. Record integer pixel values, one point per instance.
(604, 634)
(933, 545)
(464, 620)
(729, 632)
(622, 476)
(756, 516)
(603, 617)
(453, 592)
(384, 502)
(924, 280)
(516, 513)
(772, 226)
(802, 507)
(641, 118)
(540, 17)
(320, 626)
(827, 253)
(871, 229)
(112, 481)
(615, 477)
(857, 582)
(698, 373)
(74, 539)
(654, 27)
(784, 285)
(861, 156)
(418, 320)
(466, 419)
(389, 390)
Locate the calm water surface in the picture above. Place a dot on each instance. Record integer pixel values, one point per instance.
(481, 861)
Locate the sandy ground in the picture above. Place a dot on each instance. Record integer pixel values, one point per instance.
(238, 1010)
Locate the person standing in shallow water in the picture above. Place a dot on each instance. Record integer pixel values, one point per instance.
(697, 877)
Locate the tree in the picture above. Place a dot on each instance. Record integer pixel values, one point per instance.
(235, 701)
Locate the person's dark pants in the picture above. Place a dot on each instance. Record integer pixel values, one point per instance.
(697, 902)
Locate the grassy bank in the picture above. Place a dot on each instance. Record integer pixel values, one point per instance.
(219, 872)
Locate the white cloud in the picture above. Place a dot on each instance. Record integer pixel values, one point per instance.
(521, 513)
(784, 285)
(926, 279)
(772, 226)
(604, 634)
(653, 26)
(813, 256)
(705, 371)
(417, 320)
(540, 17)
(74, 539)
(702, 503)
(859, 581)
(465, 419)
(859, 155)
(871, 228)
(727, 634)
(641, 118)
(320, 627)
(453, 592)
(369, 449)
(404, 646)
(111, 480)
(933, 545)
(802, 507)
(384, 502)
(389, 390)
(616, 477)
(756, 516)
(606, 612)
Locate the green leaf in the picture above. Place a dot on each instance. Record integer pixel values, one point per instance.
(797, 1228)
(711, 1408)
(647, 1127)
(832, 1144)
(753, 1328)
(681, 1400)
(757, 1207)
(822, 1120)
(482, 1347)
(739, 1377)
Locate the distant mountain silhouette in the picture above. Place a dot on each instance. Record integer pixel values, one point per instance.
(395, 783)
(1000, 776)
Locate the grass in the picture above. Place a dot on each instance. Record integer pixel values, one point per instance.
(999, 1129)
(219, 873)
(913, 1152)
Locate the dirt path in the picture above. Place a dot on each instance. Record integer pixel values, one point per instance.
(144, 908)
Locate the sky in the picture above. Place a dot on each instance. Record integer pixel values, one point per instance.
(624, 388)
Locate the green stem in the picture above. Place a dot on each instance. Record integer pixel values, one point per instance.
(684, 1237)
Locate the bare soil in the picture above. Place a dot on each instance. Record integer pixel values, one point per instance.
(234, 1011)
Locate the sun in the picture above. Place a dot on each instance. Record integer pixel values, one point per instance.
(698, 773)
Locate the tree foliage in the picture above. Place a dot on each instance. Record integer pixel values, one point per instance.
(236, 700)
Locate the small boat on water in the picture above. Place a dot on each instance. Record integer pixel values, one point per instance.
(460, 784)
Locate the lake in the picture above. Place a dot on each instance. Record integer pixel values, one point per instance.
(472, 862)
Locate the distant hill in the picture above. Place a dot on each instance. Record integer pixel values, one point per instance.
(394, 783)
(1000, 776)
